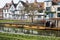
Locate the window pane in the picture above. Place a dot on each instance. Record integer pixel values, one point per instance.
(47, 8)
(5, 10)
(51, 15)
(58, 15)
(5, 15)
(54, 3)
(58, 8)
(39, 16)
(58, 3)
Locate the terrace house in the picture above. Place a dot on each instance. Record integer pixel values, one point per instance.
(12, 10)
(16, 10)
(53, 9)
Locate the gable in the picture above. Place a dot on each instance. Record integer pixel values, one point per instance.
(19, 6)
(7, 6)
(12, 8)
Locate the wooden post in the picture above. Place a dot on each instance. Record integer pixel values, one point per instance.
(56, 23)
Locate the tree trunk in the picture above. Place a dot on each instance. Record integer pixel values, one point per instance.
(32, 18)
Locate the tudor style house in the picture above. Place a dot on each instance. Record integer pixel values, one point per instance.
(12, 10)
(16, 10)
(40, 12)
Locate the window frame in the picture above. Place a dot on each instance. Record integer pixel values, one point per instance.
(58, 9)
(58, 14)
(48, 8)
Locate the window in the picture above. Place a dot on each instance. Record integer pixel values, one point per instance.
(12, 8)
(47, 3)
(58, 3)
(5, 15)
(58, 15)
(39, 16)
(48, 8)
(58, 8)
(5, 10)
(50, 15)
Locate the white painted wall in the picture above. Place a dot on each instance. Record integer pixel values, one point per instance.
(47, 4)
(54, 8)
(12, 8)
(19, 6)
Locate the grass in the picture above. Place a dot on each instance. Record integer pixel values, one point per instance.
(8, 36)
(8, 20)
(19, 21)
(15, 21)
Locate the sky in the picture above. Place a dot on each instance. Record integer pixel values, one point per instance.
(3, 2)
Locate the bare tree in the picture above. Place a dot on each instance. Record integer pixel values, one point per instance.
(30, 8)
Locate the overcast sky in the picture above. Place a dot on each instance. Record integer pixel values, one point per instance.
(3, 2)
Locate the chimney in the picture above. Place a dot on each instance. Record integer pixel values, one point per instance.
(12, 2)
(35, 1)
(27, 1)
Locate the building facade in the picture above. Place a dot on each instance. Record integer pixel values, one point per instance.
(41, 10)
(16, 10)
(53, 10)
(12, 10)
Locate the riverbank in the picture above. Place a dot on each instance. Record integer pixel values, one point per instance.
(11, 36)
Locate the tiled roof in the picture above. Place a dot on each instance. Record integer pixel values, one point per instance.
(56, 0)
(24, 4)
(7, 6)
(15, 5)
(41, 5)
(38, 5)
(1, 9)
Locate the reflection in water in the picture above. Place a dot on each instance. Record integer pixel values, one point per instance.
(31, 31)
